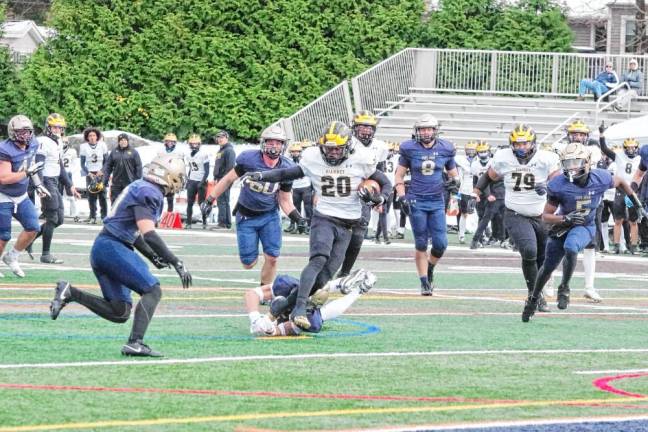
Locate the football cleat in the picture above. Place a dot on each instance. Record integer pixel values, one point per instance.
(399, 236)
(139, 349)
(592, 295)
(50, 259)
(62, 296)
(368, 282)
(542, 305)
(299, 318)
(13, 265)
(563, 296)
(476, 244)
(187, 226)
(354, 280)
(462, 240)
(318, 298)
(549, 290)
(426, 289)
(530, 307)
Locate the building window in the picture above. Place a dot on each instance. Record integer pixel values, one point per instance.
(630, 36)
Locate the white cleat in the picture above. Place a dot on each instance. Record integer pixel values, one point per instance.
(361, 279)
(592, 295)
(13, 265)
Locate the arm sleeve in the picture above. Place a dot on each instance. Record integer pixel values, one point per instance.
(63, 177)
(84, 170)
(239, 170)
(284, 174)
(159, 247)
(483, 182)
(605, 149)
(143, 247)
(383, 181)
(206, 169)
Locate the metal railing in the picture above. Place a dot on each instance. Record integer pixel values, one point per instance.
(309, 122)
(557, 128)
(607, 103)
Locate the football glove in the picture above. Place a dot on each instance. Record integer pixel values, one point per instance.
(452, 185)
(302, 225)
(34, 168)
(371, 198)
(602, 127)
(207, 205)
(185, 276)
(405, 205)
(252, 175)
(42, 191)
(577, 217)
(158, 261)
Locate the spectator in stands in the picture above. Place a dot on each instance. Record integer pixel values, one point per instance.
(225, 159)
(635, 79)
(603, 82)
(125, 165)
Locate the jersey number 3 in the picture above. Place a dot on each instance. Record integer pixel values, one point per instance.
(341, 185)
(523, 181)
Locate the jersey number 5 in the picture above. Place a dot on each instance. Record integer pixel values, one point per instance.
(330, 185)
(523, 181)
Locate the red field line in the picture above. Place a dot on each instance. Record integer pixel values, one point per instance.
(249, 393)
(604, 384)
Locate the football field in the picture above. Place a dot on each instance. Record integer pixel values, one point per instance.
(396, 360)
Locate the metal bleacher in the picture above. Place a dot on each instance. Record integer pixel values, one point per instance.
(475, 94)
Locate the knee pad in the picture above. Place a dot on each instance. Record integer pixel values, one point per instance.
(528, 253)
(121, 309)
(437, 253)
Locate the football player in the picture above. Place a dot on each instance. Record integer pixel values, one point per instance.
(337, 169)
(627, 163)
(197, 183)
(17, 168)
(364, 128)
(302, 192)
(571, 210)
(525, 170)
(426, 156)
(119, 270)
(494, 202)
(318, 310)
(257, 209)
(171, 148)
(49, 152)
(386, 217)
(467, 201)
(69, 157)
(93, 152)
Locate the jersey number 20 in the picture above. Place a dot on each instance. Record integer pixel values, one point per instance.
(523, 181)
(341, 185)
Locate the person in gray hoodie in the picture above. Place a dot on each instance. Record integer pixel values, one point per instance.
(635, 79)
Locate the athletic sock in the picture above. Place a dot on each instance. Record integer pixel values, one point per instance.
(337, 307)
(96, 304)
(13, 254)
(530, 272)
(144, 313)
(462, 226)
(589, 265)
(430, 272)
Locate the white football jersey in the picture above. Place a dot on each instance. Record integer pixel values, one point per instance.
(51, 150)
(179, 152)
(625, 166)
(94, 157)
(301, 183)
(69, 157)
(610, 193)
(477, 168)
(520, 179)
(377, 148)
(463, 164)
(197, 165)
(336, 187)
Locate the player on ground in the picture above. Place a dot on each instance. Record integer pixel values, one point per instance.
(571, 208)
(257, 209)
(525, 170)
(337, 169)
(119, 270)
(426, 156)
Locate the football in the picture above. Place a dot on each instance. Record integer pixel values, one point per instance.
(370, 185)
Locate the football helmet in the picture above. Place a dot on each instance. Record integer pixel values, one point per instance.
(426, 122)
(630, 147)
(575, 161)
(55, 120)
(20, 129)
(96, 185)
(483, 150)
(222, 133)
(168, 171)
(335, 143)
(170, 141)
(578, 131)
(523, 134)
(364, 126)
(471, 149)
(194, 141)
(295, 150)
(270, 137)
(65, 142)
(392, 148)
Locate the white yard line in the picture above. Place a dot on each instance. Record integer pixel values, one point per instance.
(292, 357)
(609, 371)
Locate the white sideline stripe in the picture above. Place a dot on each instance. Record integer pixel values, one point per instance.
(608, 371)
(513, 423)
(323, 356)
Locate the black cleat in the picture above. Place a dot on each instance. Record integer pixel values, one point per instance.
(29, 250)
(530, 307)
(542, 305)
(187, 227)
(139, 349)
(476, 244)
(399, 236)
(62, 296)
(426, 289)
(563, 296)
(50, 259)
(299, 317)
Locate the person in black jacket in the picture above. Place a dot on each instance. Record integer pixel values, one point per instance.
(225, 160)
(125, 165)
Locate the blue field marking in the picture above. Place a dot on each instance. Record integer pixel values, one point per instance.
(362, 329)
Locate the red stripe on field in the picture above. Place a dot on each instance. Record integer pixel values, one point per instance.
(248, 393)
(604, 384)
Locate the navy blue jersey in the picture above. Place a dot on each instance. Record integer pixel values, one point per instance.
(570, 196)
(282, 286)
(20, 160)
(426, 166)
(259, 196)
(140, 200)
(643, 154)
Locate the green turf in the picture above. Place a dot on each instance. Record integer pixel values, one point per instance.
(474, 311)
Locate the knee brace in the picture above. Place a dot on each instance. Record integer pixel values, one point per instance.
(121, 309)
(437, 253)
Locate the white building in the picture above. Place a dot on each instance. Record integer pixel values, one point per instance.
(23, 38)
